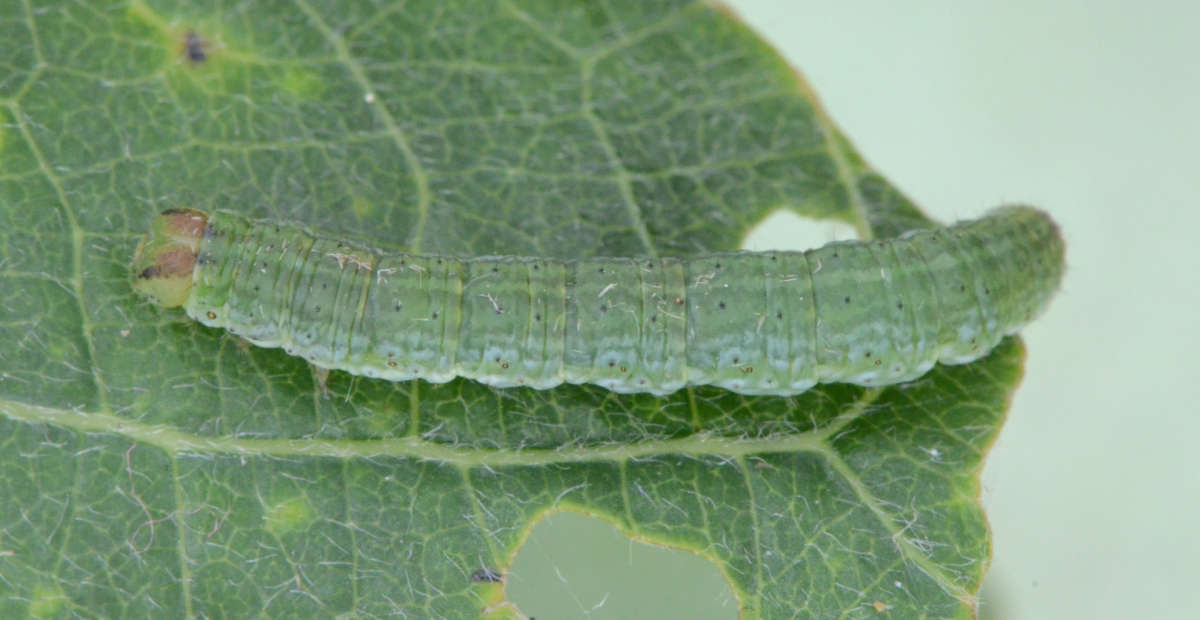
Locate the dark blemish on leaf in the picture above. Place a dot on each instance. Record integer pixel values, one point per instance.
(718, 265)
(486, 575)
(603, 307)
(654, 318)
(255, 288)
(878, 362)
(868, 354)
(497, 359)
(504, 365)
(779, 315)
(847, 299)
(392, 363)
(211, 315)
(962, 288)
(602, 270)
(624, 369)
(736, 359)
(195, 47)
(495, 270)
(399, 306)
(900, 306)
(611, 364)
(149, 273)
(678, 301)
(721, 305)
(537, 317)
(435, 315)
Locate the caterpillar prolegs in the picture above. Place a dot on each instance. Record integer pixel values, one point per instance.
(869, 313)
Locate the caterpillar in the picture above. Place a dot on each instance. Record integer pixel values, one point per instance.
(864, 312)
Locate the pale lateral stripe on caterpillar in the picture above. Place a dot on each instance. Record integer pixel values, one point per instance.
(870, 313)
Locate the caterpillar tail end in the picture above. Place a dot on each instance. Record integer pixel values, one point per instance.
(166, 256)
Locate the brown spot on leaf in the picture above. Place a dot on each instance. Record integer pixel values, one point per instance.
(195, 48)
(486, 575)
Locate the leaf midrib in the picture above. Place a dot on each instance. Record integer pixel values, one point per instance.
(175, 441)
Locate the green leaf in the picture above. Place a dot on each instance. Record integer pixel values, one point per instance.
(153, 467)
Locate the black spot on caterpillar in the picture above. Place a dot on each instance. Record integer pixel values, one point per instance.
(873, 313)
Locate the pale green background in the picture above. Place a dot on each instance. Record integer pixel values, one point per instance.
(1092, 111)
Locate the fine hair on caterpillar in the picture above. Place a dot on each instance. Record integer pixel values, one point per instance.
(870, 313)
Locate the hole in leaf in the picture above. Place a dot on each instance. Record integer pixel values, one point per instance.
(785, 229)
(575, 566)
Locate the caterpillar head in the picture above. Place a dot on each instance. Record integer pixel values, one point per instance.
(163, 263)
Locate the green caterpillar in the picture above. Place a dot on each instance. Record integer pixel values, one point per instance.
(869, 313)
